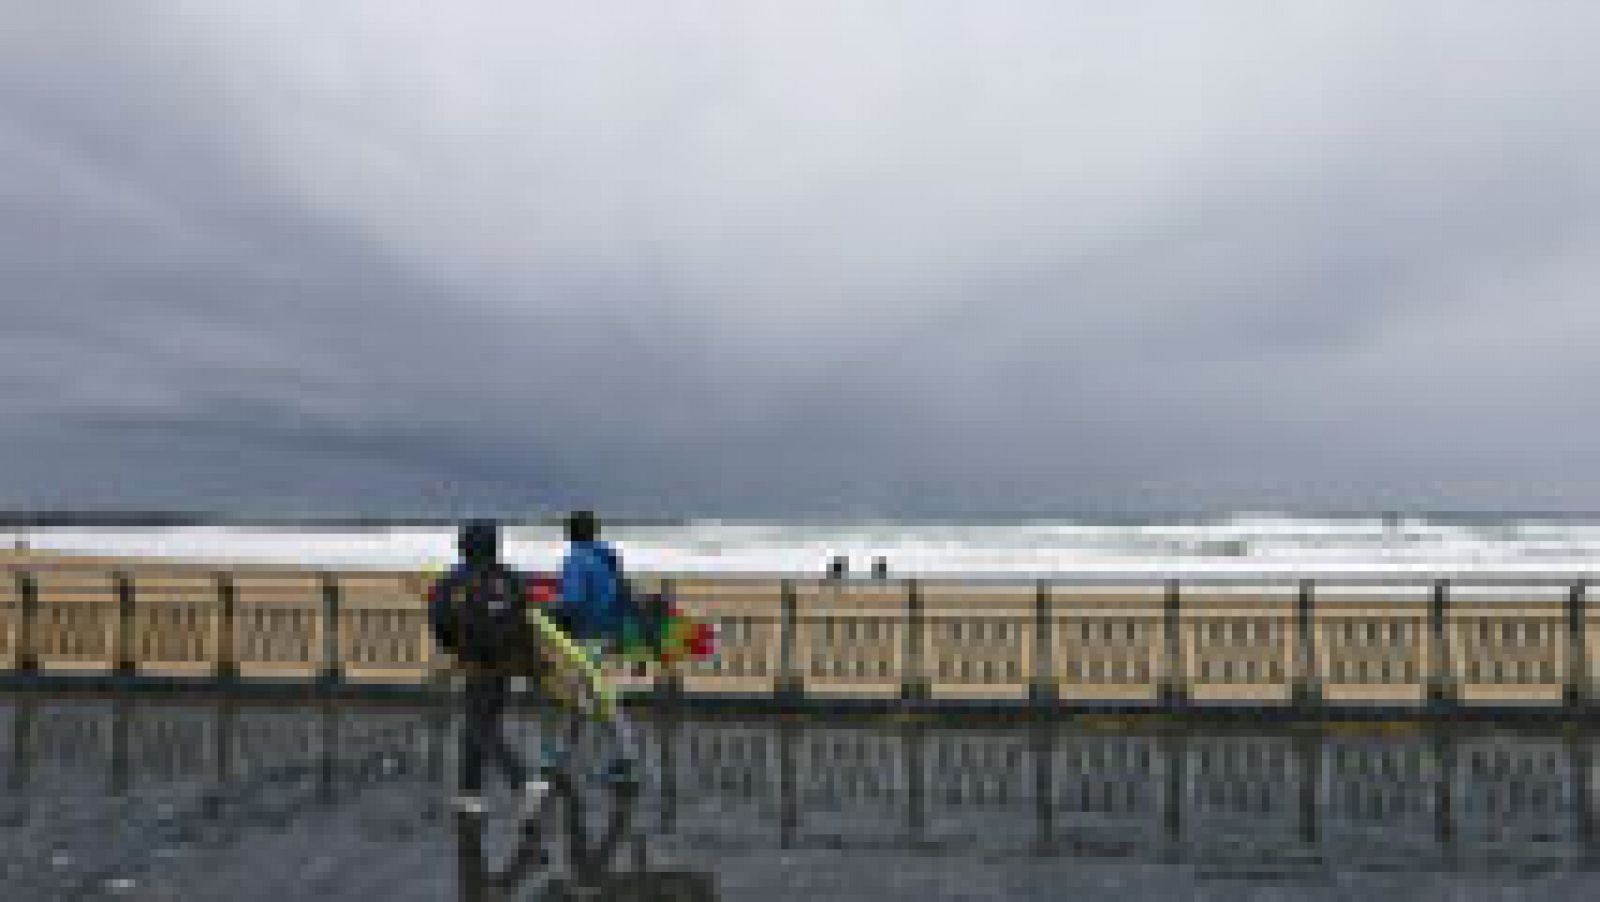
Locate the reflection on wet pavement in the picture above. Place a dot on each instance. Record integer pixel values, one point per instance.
(201, 799)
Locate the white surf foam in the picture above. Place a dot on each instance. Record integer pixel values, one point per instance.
(1233, 546)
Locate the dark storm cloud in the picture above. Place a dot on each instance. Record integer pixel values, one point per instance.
(762, 258)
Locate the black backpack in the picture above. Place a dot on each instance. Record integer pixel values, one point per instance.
(488, 620)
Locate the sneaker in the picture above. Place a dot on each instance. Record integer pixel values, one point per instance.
(468, 804)
(533, 794)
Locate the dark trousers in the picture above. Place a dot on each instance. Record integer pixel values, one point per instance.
(483, 703)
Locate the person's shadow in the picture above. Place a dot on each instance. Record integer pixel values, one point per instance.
(589, 873)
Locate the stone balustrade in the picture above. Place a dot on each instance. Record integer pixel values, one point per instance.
(1261, 642)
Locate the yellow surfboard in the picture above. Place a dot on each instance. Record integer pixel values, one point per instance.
(570, 659)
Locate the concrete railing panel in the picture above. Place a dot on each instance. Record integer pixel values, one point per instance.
(1373, 644)
(1238, 644)
(278, 626)
(978, 641)
(1108, 642)
(1509, 651)
(10, 622)
(850, 638)
(748, 616)
(76, 624)
(177, 623)
(383, 629)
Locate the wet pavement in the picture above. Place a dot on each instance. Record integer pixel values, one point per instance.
(197, 799)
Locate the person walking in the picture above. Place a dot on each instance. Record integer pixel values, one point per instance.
(593, 608)
(476, 615)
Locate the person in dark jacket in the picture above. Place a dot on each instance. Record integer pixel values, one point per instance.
(486, 678)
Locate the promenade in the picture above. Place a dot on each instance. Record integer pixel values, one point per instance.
(1426, 738)
(188, 798)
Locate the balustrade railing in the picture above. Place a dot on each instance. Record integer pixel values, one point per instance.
(1264, 641)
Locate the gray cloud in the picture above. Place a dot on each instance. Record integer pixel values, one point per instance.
(756, 258)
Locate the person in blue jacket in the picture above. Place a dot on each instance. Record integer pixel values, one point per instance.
(590, 584)
(592, 609)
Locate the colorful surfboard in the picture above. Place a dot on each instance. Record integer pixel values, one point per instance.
(572, 672)
(678, 637)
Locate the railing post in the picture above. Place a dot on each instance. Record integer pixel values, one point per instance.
(124, 644)
(789, 685)
(1577, 688)
(1042, 684)
(913, 685)
(1174, 684)
(227, 669)
(1307, 691)
(28, 625)
(332, 665)
(1441, 688)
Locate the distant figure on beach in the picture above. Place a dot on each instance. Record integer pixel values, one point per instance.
(880, 568)
(839, 567)
(1393, 526)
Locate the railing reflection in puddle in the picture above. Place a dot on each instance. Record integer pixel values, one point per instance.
(593, 862)
(1434, 797)
(1429, 796)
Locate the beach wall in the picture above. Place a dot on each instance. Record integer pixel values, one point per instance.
(1273, 642)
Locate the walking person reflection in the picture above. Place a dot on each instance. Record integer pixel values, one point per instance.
(586, 870)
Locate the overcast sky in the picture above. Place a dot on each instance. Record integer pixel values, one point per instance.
(800, 258)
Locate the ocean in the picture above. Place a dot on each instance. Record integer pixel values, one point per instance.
(1244, 544)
